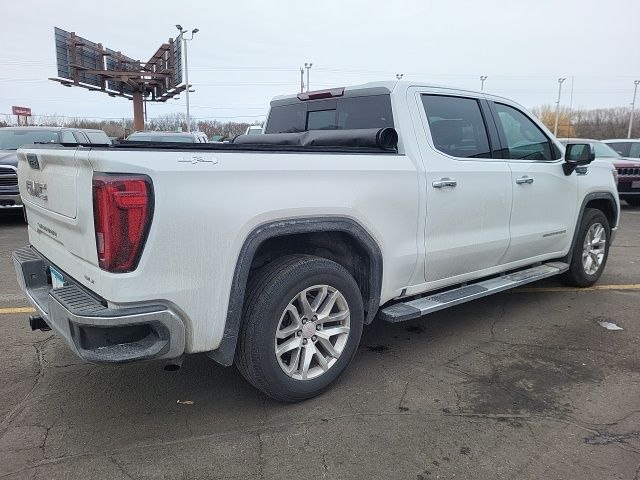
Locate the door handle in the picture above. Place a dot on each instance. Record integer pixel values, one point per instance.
(444, 182)
(523, 180)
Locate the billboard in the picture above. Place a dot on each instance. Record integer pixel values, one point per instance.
(178, 65)
(83, 63)
(24, 111)
(116, 62)
(78, 58)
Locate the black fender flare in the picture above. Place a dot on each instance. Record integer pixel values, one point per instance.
(589, 197)
(225, 352)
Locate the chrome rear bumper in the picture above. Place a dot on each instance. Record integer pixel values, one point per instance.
(95, 332)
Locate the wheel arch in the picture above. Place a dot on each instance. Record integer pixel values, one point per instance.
(603, 201)
(371, 279)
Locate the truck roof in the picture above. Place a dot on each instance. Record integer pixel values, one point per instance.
(386, 87)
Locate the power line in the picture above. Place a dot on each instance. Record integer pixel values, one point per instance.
(82, 117)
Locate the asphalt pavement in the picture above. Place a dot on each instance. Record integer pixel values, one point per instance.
(527, 384)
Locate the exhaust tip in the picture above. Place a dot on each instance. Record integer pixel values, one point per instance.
(38, 323)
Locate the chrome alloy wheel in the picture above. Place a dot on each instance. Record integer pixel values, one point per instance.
(312, 332)
(593, 249)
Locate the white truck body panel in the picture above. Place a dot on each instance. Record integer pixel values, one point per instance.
(196, 234)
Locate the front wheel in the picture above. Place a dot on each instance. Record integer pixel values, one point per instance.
(302, 323)
(633, 201)
(590, 251)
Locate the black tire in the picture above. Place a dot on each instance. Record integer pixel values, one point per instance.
(268, 294)
(577, 276)
(633, 201)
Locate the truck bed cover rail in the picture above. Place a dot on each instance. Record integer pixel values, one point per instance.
(382, 138)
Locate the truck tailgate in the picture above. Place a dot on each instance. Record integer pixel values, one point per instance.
(55, 186)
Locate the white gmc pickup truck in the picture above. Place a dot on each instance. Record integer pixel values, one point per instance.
(384, 201)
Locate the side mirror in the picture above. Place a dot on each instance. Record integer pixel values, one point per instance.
(577, 154)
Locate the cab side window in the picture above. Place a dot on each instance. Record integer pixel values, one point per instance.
(80, 137)
(457, 126)
(522, 139)
(67, 137)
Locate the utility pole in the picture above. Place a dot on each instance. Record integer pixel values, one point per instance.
(633, 106)
(308, 67)
(399, 76)
(301, 80)
(570, 132)
(555, 128)
(482, 79)
(184, 40)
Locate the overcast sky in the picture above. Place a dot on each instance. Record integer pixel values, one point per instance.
(248, 51)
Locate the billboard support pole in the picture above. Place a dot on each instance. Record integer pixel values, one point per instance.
(138, 115)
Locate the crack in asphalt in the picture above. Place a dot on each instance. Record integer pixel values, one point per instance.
(260, 455)
(44, 440)
(120, 467)
(404, 394)
(6, 422)
(259, 431)
(503, 309)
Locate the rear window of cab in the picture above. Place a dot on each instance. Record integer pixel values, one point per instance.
(370, 111)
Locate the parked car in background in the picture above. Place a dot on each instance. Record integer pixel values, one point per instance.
(254, 130)
(178, 137)
(626, 147)
(627, 169)
(12, 138)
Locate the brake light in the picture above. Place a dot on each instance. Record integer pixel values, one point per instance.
(317, 94)
(122, 212)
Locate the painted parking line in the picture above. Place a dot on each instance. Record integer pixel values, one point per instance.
(17, 310)
(632, 286)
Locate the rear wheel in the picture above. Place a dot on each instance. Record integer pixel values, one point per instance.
(302, 323)
(590, 251)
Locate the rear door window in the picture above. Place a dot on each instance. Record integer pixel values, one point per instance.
(457, 126)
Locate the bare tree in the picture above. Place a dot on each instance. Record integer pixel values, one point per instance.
(599, 123)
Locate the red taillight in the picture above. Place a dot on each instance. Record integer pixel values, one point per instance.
(122, 211)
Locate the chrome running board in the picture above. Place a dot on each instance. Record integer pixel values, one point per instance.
(400, 312)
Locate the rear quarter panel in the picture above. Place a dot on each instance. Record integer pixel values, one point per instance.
(205, 210)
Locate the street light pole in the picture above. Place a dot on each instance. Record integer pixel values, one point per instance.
(184, 40)
(482, 79)
(633, 106)
(555, 128)
(308, 67)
